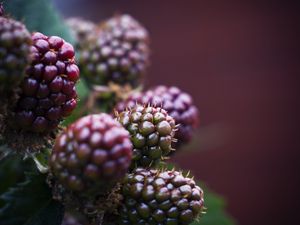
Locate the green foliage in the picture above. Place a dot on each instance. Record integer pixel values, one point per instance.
(38, 15)
(30, 203)
(12, 171)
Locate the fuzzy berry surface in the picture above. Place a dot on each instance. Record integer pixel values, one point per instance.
(91, 153)
(176, 102)
(160, 198)
(15, 42)
(118, 54)
(48, 92)
(152, 131)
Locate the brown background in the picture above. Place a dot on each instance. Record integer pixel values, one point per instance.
(240, 61)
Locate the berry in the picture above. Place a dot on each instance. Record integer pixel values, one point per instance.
(48, 90)
(152, 131)
(91, 154)
(166, 198)
(15, 44)
(117, 54)
(82, 30)
(177, 103)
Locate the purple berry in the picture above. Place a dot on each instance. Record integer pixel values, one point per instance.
(49, 90)
(81, 151)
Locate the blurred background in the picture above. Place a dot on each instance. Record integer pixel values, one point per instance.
(240, 62)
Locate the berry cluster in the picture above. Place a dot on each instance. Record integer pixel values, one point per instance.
(91, 153)
(48, 90)
(100, 164)
(152, 131)
(177, 103)
(117, 54)
(14, 52)
(153, 197)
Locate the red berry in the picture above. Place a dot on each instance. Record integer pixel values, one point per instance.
(42, 45)
(49, 73)
(83, 152)
(73, 72)
(50, 58)
(49, 89)
(55, 42)
(66, 52)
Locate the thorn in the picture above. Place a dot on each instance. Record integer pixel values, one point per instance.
(188, 173)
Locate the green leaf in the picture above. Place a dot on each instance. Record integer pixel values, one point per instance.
(30, 203)
(38, 15)
(12, 171)
(50, 214)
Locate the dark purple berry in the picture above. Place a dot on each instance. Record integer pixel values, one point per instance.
(48, 90)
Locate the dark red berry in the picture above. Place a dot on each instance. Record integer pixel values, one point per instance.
(50, 58)
(86, 152)
(49, 73)
(48, 91)
(42, 45)
(68, 107)
(73, 72)
(66, 52)
(56, 84)
(55, 42)
(30, 86)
